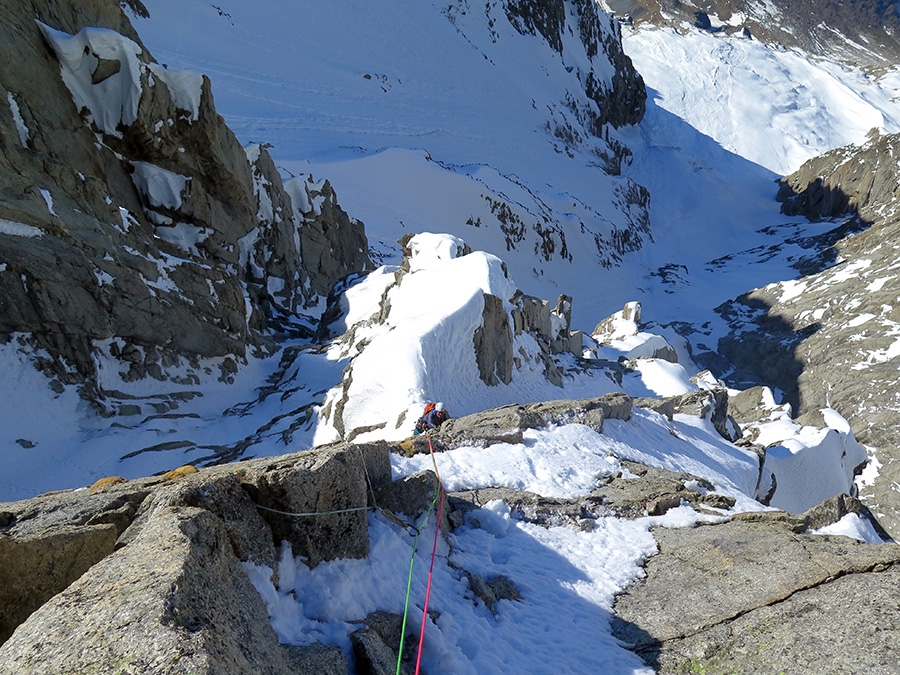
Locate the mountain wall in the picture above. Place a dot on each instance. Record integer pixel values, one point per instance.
(131, 219)
(864, 33)
(619, 102)
(830, 339)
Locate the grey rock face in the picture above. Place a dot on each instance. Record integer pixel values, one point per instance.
(49, 541)
(494, 343)
(334, 244)
(249, 533)
(176, 600)
(756, 597)
(852, 179)
(150, 227)
(828, 346)
(37, 567)
(625, 102)
(712, 405)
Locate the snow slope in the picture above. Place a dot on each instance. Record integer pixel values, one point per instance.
(422, 132)
(424, 120)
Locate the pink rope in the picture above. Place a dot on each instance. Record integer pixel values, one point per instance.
(437, 533)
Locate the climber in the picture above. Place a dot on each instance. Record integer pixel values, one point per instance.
(435, 414)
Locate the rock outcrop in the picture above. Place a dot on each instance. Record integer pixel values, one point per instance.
(506, 424)
(832, 345)
(156, 561)
(757, 597)
(176, 600)
(132, 215)
(622, 102)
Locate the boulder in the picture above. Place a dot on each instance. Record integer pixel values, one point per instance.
(526, 506)
(831, 511)
(665, 406)
(531, 315)
(410, 496)
(711, 405)
(493, 590)
(376, 644)
(315, 500)
(248, 532)
(176, 600)
(750, 405)
(506, 424)
(709, 586)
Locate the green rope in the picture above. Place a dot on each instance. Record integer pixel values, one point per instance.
(318, 513)
(409, 580)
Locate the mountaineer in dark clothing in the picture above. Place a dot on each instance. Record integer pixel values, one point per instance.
(435, 415)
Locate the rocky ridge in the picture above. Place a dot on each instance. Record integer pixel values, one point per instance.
(193, 606)
(135, 226)
(861, 34)
(833, 343)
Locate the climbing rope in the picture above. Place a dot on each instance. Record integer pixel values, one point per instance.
(437, 533)
(369, 486)
(412, 561)
(439, 502)
(315, 513)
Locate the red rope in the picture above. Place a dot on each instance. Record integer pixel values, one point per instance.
(437, 533)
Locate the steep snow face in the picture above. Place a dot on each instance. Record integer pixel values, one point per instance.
(430, 116)
(359, 77)
(775, 108)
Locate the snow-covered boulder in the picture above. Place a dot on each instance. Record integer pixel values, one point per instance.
(620, 335)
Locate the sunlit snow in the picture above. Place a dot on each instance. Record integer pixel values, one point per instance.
(423, 120)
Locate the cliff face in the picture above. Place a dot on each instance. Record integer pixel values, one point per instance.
(622, 99)
(863, 33)
(129, 210)
(834, 343)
